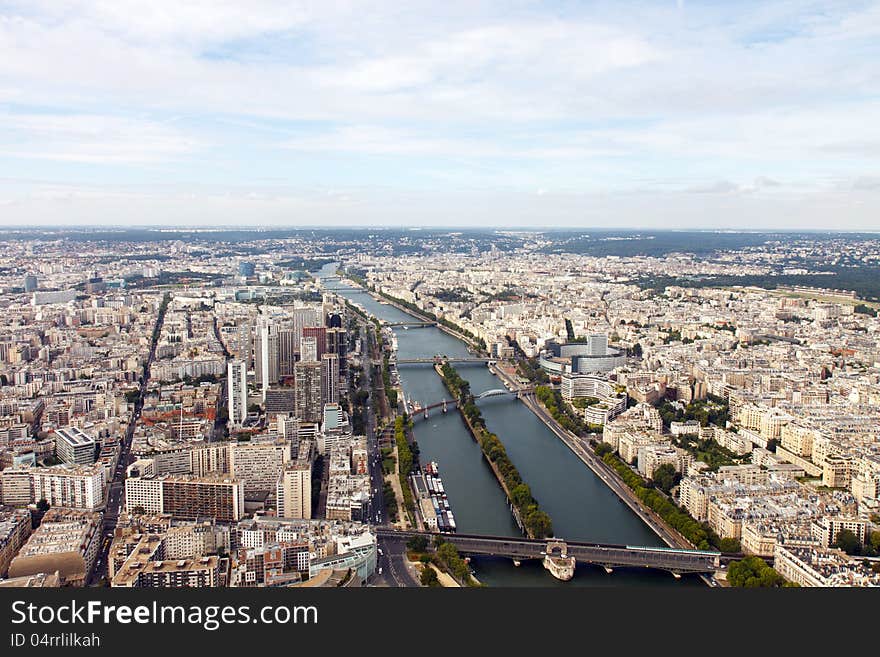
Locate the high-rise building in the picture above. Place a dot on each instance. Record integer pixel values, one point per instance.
(258, 465)
(30, 283)
(95, 284)
(290, 331)
(246, 269)
(337, 343)
(216, 496)
(308, 349)
(16, 486)
(302, 317)
(266, 354)
(294, 490)
(280, 400)
(332, 417)
(329, 379)
(320, 335)
(236, 390)
(73, 445)
(73, 486)
(288, 348)
(309, 393)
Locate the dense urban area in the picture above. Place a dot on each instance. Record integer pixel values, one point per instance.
(244, 408)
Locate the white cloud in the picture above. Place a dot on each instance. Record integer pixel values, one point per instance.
(91, 138)
(581, 100)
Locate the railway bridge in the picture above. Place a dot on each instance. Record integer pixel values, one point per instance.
(674, 560)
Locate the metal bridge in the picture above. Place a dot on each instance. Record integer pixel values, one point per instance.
(674, 560)
(438, 360)
(413, 324)
(424, 412)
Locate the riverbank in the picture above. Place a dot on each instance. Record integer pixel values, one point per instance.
(534, 522)
(415, 312)
(609, 477)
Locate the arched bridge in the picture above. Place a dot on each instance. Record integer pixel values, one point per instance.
(444, 359)
(674, 560)
(424, 412)
(498, 392)
(411, 323)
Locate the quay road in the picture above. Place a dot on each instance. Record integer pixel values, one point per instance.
(408, 311)
(392, 559)
(116, 494)
(607, 556)
(669, 536)
(376, 507)
(396, 571)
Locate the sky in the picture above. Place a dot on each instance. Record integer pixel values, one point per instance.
(737, 115)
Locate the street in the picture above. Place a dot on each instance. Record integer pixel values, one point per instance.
(116, 489)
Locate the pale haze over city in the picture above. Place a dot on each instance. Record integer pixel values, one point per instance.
(680, 114)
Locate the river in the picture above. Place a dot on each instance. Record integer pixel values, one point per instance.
(581, 506)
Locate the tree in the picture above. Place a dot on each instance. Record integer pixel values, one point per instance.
(42, 505)
(429, 577)
(138, 510)
(848, 542)
(665, 477)
(752, 572)
(602, 449)
(417, 544)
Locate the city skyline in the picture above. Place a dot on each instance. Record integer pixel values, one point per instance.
(673, 115)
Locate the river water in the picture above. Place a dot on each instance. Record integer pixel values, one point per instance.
(580, 505)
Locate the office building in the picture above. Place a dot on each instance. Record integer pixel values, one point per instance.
(593, 355)
(75, 446)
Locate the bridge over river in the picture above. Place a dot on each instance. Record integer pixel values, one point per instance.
(445, 359)
(676, 561)
(423, 412)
